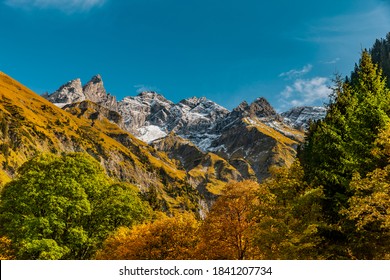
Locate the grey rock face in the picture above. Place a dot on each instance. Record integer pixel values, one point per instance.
(251, 137)
(191, 118)
(196, 119)
(94, 91)
(94, 111)
(299, 117)
(73, 92)
(145, 109)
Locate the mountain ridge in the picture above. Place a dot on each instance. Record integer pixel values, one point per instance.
(268, 138)
(31, 125)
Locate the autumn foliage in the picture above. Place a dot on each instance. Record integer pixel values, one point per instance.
(167, 238)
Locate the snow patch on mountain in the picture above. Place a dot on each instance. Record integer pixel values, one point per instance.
(150, 133)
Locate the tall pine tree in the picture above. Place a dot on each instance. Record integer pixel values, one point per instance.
(341, 145)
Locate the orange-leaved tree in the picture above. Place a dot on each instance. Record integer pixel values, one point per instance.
(167, 238)
(227, 232)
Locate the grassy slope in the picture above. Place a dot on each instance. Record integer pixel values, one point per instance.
(30, 125)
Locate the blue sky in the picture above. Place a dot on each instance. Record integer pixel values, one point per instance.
(227, 50)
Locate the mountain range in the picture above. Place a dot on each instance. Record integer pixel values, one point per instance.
(182, 154)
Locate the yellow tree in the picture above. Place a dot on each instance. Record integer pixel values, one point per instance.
(6, 252)
(168, 238)
(290, 217)
(227, 231)
(369, 207)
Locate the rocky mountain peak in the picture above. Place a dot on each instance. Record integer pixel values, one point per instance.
(193, 101)
(299, 117)
(148, 96)
(244, 106)
(259, 108)
(96, 79)
(73, 92)
(76, 83)
(94, 90)
(262, 109)
(70, 92)
(202, 106)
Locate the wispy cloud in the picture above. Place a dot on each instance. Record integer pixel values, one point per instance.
(333, 61)
(68, 6)
(145, 88)
(295, 73)
(305, 92)
(345, 35)
(348, 28)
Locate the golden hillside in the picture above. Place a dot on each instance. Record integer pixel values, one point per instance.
(31, 125)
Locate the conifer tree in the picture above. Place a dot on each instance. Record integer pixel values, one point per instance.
(369, 206)
(341, 145)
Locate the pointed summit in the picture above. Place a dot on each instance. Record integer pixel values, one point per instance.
(194, 101)
(244, 106)
(202, 105)
(73, 92)
(262, 109)
(68, 93)
(96, 79)
(94, 90)
(151, 95)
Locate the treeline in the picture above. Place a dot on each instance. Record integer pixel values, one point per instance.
(332, 203)
(348, 154)
(64, 207)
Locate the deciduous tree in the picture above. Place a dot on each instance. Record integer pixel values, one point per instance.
(63, 207)
(227, 232)
(290, 219)
(167, 238)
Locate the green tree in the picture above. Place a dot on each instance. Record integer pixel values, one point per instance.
(290, 212)
(341, 145)
(380, 53)
(369, 207)
(63, 207)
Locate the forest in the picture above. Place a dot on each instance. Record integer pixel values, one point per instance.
(333, 202)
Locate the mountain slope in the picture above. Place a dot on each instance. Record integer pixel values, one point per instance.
(299, 117)
(253, 137)
(208, 172)
(250, 138)
(30, 125)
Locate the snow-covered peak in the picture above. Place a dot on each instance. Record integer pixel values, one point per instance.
(144, 110)
(151, 95)
(193, 101)
(299, 117)
(202, 106)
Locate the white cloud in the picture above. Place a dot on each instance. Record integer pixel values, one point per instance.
(295, 73)
(68, 6)
(305, 92)
(145, 88)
